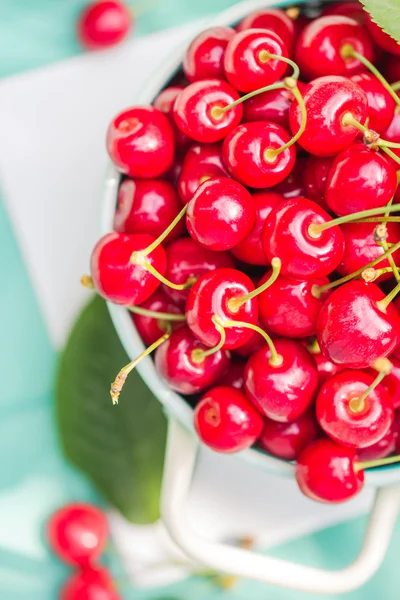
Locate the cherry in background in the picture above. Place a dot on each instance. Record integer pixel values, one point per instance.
(381, 105)
(165, 103)
(204, 59)
(315, 174)
(104, 23)
(287, 440)
(201, 162)
(275, 20)
(90, 584)
(386, 445)
(353, 10)
(149, 328)
(381, 39)
(234, 377)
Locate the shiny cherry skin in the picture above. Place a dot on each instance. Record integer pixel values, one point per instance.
(287, 440)
(326, 368)
(202, 161)
(326, 472)
(272, 106)
(90, 584)
(186, 259)
(391, 68)
(246, 154)
(221, 214)
(234, 376)
(77, 533)
(288, 308)
(328, 99)
(392, 134)
(353, 10)
(177, 364)
(360, 247)
(352, 330)
(281, 392)
(149, 328)
(226, 421)
(286, 235)
(344, 421)
(292, 185)
(391, 382)
(103, 23)
(204, 59)
(380, 103)
(210, 297)
(275, 20)
(250, 250)
(247, 64)
(165, 103)
(140, 142)
(196, 110)
(314, 178)
(147, 206)
(254, 343)
(359, 179)
(115, 277)
(381, 39)
(386, 445)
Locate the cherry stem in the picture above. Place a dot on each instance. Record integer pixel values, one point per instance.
(162, 237)
(317, 290)
(316, 229)
(379, 220)
(235, 303)
(383, 304)
(357, 405)
(175, 286)
(395, 86)
(276, 359)
(392, 155)
(381, 462)
(370, 274)
(154, 314)
(348, 119)
(385, 246)
(87, 281)
(199, 355)
(348, 51)
(293, 12)
(120, 379)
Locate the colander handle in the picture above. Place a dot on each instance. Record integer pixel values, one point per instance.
(182, 447)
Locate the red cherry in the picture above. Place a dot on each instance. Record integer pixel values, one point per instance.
(188, 259)
(347, 421)
(197, 110)
(115, 277)
(326, 368)
(77, 533)
(358, 180)
(173, 173)
(381, 39)
(319, 48)
(391, 68)
(103, 23)
(314, 178)
(202, 162)
(292, 185)
(248, 153)
(250, 249)
(254, 343)
(281, 392)
(221, 214)
(272, 106)
(147, 206)
(391, 382)
(165, 103)
(385, 446)
(274, 19)
(226, 421)
(380, 103)
(149, 328)
(204, 59)
(90, 584)
(234, 377)
(210, 297)
(288, 307)
(178, 360)
(352, 9)
(286, 235)
(327, 472)
(328, 100)
(360, 248)
(352, 330)
(140, 142)
(247, 62)
(392, 134)
(287, 440)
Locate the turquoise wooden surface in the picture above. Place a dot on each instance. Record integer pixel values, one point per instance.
(34, 478)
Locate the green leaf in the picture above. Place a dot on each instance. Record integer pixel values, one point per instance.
(120, 448)
(386, 14)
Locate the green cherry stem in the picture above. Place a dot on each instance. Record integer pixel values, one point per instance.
(165, 233)
(370, 274)
(379, 220)
(383, 304)
(392, 155)
(235, 303)
(153, 314)
(315, 229)
(385, 246)
(276, 359)
(380, 462)
(199, 355)
(395, 86)
(357, 405)
(175, 286)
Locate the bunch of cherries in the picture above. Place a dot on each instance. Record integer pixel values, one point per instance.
(256, 240)
(77, 533)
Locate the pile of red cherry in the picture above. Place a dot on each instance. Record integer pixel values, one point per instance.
(256, 240)
(77, 534)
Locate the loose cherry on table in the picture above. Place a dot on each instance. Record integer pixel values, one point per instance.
(355, 327)
(197, 110)
(77, 533)
(348, 415)
(281, 389)
(359, 179)
(182, 361)
(148, 206)
(104, 23)
(250, 61)
(318, 50)
(381, 39)
(287, 440)
(165, 103)
(315, 174)
(140, 142)
(202, 162)
(221, 214)
(204, 59)
(226, 421)
(149, 327)
(328, 101)
(286, 234)
(94, 583)
(381, 105)
(273, 19)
